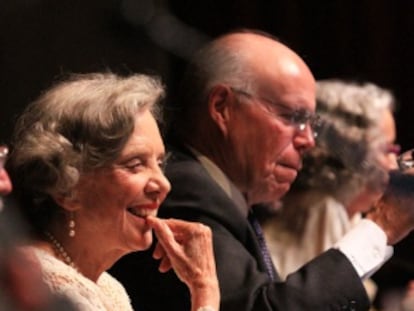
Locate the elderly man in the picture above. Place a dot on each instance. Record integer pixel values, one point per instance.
(238, 133)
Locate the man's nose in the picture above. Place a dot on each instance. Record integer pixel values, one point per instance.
(305, 138)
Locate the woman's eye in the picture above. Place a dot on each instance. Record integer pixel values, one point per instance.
(133, 165)
(162, 163)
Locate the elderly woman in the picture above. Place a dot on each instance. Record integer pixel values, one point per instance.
(341, 177)
(86, 166)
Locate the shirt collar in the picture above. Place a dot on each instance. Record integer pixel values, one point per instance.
(223, 181)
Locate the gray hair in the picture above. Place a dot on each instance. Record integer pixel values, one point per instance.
(344, 157)
(216, 63)
(76, 126)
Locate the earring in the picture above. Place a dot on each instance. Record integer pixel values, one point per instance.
(72, 225)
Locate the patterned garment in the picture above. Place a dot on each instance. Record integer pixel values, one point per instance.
(107, 294)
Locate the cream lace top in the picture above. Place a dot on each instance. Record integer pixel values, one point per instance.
(107, 294)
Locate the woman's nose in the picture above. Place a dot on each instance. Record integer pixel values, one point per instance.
(158, 185)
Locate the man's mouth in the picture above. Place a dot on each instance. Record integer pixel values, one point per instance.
(297, 167)
(286, 172)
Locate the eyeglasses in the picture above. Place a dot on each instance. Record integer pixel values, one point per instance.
(406, 160)
(4, 151)
(298, 118)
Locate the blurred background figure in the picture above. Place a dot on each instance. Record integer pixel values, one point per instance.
(401, 299)
(407, 303)
(5, 184)
(21, 284)
(341, 177)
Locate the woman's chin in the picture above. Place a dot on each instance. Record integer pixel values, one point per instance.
(142, 242)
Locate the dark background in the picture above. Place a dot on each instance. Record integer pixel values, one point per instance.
(365, 40)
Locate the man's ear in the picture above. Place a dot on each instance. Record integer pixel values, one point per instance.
(220, 100)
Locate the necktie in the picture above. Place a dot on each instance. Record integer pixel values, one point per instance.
(263, 247)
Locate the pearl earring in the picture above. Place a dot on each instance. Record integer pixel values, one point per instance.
(72, 225)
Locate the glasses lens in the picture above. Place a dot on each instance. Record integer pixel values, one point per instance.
(316, 125)
(315, 122)
(406, 160)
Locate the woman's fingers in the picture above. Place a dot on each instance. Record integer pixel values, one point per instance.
(187, 248)
(165, 265)
(158, 252)
(164, 234)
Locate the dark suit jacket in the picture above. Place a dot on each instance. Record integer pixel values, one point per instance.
(327, 283)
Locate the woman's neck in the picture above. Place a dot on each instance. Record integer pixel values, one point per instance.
(83, 254)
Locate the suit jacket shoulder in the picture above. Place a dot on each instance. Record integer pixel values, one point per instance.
(327, 283)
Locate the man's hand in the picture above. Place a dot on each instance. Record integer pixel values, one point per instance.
(394, 212)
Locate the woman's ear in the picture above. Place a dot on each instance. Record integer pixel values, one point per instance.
(220, 100)
(67, 201)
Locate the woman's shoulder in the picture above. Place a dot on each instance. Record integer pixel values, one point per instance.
(106, 294)
(114, 290)
(65, 280)
(106, 280)
(59, 276)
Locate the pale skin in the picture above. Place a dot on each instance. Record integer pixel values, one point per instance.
(176, 250)
(386, 159)
(263, 165)
(387, 125)
(120, 203)
(394, 212)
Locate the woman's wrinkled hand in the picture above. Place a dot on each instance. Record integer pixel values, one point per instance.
(187, 247)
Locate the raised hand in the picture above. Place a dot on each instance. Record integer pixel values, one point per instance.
(187, 248)
(394, 212)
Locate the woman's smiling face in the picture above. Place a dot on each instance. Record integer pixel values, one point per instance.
(113, 202)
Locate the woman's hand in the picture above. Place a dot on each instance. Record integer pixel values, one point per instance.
(187, 248)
